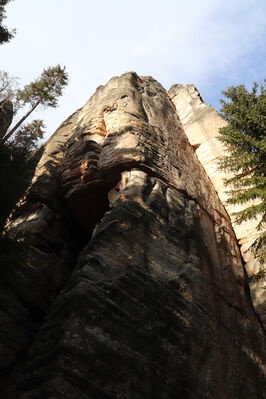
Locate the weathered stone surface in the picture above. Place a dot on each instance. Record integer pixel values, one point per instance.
(158, 305)
(201, 124)
(28, 290)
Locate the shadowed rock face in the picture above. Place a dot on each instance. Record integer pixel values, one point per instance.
(157, 305)
(6, 116)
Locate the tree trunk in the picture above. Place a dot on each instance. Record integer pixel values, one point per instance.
(9, 134)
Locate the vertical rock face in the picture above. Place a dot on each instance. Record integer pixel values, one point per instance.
(28, 290)
(201, 124)
(157, 305)
(6, 116)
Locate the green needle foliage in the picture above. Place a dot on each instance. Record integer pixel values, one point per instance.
(43, 92)
(5, 34)
(14, 178)
(29, 135)
(245, 141)
(18, 143)
(46, 89)
(17, 162)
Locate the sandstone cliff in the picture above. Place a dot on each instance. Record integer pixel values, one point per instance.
(201, 124)
(133, 285)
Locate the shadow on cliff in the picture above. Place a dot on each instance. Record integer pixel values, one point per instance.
(141, 317)
(37, 256)
(122, 325)
(16, 172)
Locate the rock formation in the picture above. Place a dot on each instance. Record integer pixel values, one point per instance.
(133, 285)
(6, 116)
(201, 124)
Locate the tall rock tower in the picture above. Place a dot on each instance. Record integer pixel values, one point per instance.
(133, 285)
(201, 124)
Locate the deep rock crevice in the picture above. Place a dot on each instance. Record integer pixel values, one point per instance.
(146, 289)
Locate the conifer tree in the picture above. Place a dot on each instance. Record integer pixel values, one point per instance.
(5, 34)
(245, 141)
(17, 144)
(44, 92)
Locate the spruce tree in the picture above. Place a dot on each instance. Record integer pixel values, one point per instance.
(244, 139)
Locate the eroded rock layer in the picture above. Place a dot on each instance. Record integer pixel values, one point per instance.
(157, 305)
(201, 123)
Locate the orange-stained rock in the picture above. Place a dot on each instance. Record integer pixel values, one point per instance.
(157, 304)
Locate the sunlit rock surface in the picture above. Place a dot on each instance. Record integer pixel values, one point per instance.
(156, 303)
(201, 124)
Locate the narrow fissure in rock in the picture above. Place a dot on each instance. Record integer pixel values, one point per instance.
(156, 306)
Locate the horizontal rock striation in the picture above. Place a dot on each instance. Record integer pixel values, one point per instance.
(157, 305)
(201, 124)
(32, 275)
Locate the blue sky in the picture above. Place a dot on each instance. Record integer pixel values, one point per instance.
(210, 43)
